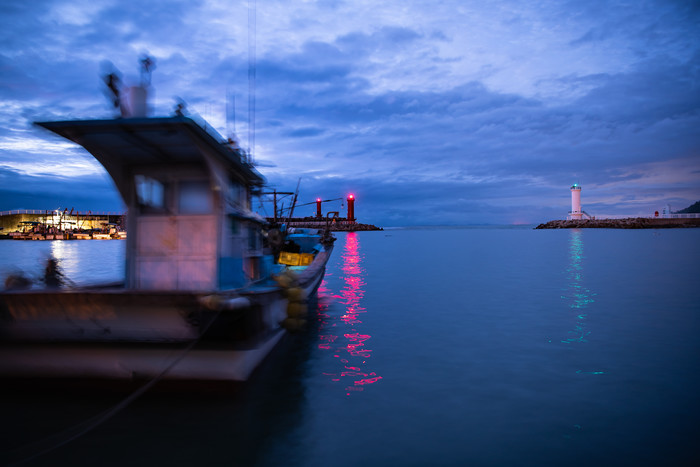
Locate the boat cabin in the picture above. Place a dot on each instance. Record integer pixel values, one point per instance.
(188, 194)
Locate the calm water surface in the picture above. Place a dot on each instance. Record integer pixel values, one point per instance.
(474, 346)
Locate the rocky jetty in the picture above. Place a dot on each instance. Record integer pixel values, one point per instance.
(341, 225)
(354, 227)
(627, 223)
(337, 227)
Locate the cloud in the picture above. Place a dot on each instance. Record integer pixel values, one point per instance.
(46, 191)
(458, 112)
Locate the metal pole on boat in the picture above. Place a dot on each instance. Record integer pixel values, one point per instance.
(274, 194)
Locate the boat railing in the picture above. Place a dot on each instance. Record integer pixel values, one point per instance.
(204, 125)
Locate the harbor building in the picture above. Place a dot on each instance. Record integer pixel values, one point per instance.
(32, 224)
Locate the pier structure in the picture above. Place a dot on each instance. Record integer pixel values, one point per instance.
(332, 220)
(667, 213)
(676, 215)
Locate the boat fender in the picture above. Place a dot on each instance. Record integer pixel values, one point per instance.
(237, 303)
(296, 294)
(211, 302)
(286, 279)
(293, 324)
(296, 302)
(283, 280)
(296, 307)
(218, 303)
(17, 282)
(296, 310)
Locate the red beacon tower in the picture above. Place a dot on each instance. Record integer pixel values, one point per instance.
(319, 214)
(351, 209)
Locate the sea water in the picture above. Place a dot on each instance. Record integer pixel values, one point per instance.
(428, 346)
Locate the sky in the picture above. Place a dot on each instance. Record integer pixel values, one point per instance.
(450, 112)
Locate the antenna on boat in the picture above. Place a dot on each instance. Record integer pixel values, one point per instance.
(148, 64)
(251, 78)
(112, 79)
(231, 114)
(231, 136)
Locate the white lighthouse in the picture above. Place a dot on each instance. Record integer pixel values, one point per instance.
(576, 212)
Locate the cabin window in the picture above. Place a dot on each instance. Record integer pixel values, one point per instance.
(246, 200)
(253, 235)
(150, 192)
(194, 198)
(234, 225)
(234, 193)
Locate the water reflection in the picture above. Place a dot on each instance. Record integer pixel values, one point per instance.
(90, 261)
(66, 254)
(352, 292)
(579, 296)
(351, 350)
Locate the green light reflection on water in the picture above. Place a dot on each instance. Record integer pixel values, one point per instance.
(580, 296)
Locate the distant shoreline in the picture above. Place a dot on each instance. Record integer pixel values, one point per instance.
(627, 223)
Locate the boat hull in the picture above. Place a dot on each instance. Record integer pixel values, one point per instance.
(130, 335)
(135, 362)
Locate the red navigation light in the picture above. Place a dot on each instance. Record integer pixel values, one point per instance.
(318, 199)
(351, 197)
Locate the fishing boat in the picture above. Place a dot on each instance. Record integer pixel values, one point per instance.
(210, 287)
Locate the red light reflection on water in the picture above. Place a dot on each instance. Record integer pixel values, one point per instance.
(353, 291)
(356, 341)
(350, 350)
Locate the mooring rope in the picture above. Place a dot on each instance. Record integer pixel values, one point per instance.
(64, 437)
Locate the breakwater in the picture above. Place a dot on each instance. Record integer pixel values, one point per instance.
(626, 223)
(335, 225)
(354, 227)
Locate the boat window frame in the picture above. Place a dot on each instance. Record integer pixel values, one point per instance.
(151, 194)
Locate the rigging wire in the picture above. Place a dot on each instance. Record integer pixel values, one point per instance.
(251, 77)
(231, 115)
(261, 205)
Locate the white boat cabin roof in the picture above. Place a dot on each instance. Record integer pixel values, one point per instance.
(123, 145)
